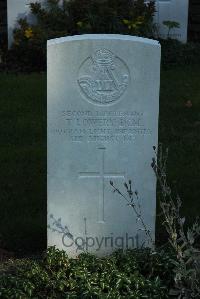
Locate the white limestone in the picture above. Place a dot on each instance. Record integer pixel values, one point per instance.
(172, 10)
(103, 106)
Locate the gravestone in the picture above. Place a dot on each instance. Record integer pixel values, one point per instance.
(172, 10)
(103, 106)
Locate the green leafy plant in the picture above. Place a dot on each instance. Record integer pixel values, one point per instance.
(28, 52)
(72, 17)
(170, 25)
(130, 274)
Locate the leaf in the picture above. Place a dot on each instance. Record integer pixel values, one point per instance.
(171, 24)
(174, 292)
(126, 22)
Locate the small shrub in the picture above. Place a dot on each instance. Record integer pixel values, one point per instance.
(28, 52)
(183, 240)
(76, 17)
(131, 274)
(185, 254)
(170, 25)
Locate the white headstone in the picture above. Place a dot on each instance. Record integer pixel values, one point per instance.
(172, 10)
(103, 106)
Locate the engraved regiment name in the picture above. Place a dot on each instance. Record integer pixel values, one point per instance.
(105, 126)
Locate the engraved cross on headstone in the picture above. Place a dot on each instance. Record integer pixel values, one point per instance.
(102, 175)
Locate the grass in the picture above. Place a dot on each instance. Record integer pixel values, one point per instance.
(179, 130)
(23, 151)
(23, 161)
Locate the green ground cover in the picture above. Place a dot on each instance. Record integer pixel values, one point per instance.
(23, 151)
(134, 274)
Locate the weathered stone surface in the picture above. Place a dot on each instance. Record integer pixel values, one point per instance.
(103, 106)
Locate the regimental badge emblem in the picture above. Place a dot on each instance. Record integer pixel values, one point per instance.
(103, 77)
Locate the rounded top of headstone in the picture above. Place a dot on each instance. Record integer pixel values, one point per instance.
(123, 37)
